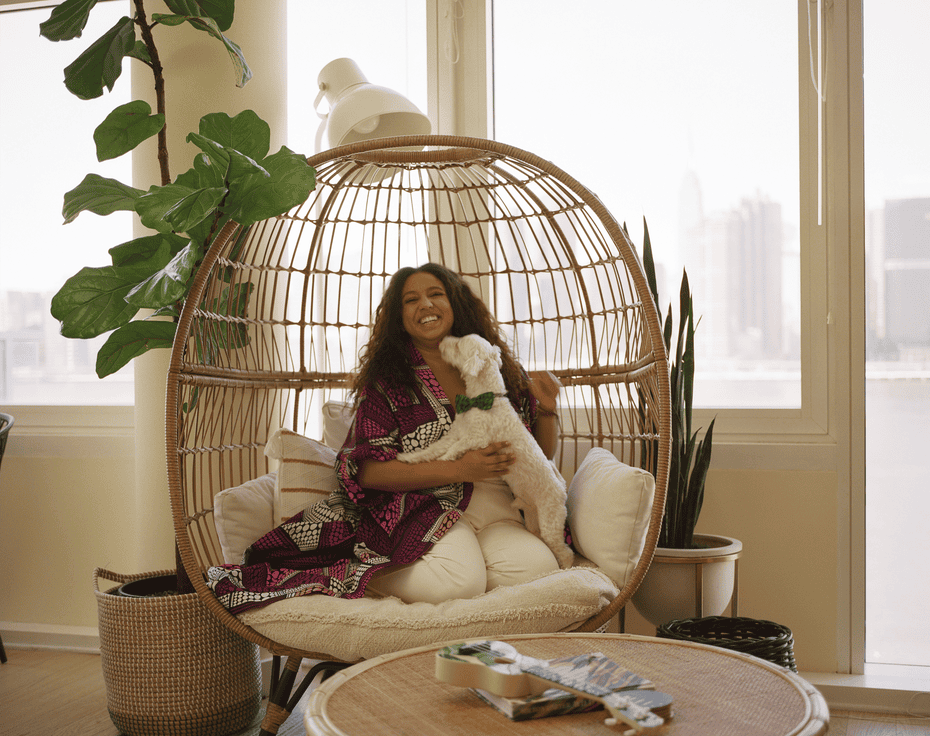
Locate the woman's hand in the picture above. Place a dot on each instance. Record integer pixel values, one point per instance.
(545, 388)
(492, 461)
(396, 476)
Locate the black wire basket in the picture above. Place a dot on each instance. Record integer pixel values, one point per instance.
(764, 639)
(6, 423)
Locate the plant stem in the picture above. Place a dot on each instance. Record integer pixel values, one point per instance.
(158, 72)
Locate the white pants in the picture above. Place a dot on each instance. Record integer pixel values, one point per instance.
(486, 548)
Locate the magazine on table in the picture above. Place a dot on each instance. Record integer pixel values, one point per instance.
(555, 702)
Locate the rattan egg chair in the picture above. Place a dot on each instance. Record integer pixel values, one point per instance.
(278, 313)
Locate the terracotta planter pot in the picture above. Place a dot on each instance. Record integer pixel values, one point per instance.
(687, 583)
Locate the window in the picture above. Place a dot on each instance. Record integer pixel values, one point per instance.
(46, 149)
(695, 131)
(897, 189)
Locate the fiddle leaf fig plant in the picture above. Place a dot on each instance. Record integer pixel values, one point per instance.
(233, 178)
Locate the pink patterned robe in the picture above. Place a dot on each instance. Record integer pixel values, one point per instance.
(334, 546)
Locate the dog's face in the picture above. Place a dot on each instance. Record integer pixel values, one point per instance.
(470, 354)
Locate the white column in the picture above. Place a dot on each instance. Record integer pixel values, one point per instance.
(199, 79)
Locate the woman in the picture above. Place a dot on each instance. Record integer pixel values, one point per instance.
(425, 532)
(405, 393)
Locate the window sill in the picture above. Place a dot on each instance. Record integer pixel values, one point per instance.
(71, 420)
(904, 693)
(71, 431)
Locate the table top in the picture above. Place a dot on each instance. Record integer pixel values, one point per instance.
(716, 692)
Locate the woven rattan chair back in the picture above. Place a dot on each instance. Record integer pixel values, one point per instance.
(278, 313)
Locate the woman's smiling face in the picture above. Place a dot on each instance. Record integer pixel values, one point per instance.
(426, 310)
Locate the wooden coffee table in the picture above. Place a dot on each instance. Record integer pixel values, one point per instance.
(716, 692)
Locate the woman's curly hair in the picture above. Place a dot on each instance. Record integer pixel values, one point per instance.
(386, 356)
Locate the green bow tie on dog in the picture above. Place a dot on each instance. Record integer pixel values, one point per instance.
(482, 401)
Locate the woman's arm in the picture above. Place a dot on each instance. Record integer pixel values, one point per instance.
(400, 477)
(546, 433)
(545, 388)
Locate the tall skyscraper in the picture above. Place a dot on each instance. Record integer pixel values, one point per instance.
(735, 269)
(907, 271)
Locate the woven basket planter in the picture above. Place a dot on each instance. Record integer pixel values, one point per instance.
(170, 668)
(764, 639)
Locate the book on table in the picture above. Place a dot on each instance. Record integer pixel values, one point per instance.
(555, 702)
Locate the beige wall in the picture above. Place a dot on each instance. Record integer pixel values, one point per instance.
(64, 502)
(787, 522)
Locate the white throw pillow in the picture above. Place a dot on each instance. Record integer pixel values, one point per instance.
(337, 418)
(609, 507)
(306, 472)
(242, 515)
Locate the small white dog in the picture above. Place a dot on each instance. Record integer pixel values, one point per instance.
(537, 487)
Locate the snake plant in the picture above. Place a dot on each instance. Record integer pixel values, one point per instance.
(690, 458)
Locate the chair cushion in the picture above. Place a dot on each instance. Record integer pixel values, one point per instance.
(609, 507)
(306, 472)
(242, 515)
(351, 630)
(604, 498)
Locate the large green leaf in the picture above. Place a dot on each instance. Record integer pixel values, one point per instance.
(246, 132)
(244, 175)
(290, 182)
(102, 63)
(216, 153)
(99, 195)
(222, 11)
(195, 208)
(170, 284)
(131, 341)
(125, 128)
(154, 205)
(142, 251)
(93, 301)
(141, 52)
(208, 25)
(203, 174)
(67, 20)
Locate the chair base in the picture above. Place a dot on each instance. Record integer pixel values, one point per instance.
(283, 696)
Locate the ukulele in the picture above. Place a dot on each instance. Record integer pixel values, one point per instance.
(498, 668)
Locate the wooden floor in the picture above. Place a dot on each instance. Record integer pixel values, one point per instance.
(48, 693)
